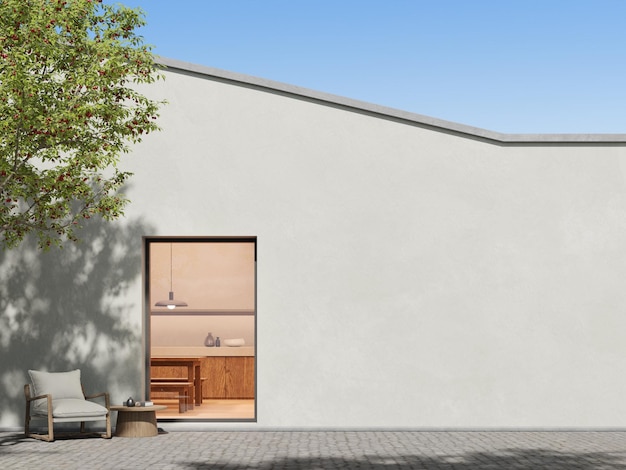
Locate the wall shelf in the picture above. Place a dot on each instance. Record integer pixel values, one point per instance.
(187, 311)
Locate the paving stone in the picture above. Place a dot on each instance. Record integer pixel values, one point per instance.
(310, 450)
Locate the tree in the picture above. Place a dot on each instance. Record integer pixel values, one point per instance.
(68, 110)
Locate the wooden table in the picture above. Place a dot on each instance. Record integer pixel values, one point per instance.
(194, 371)
(136, 421)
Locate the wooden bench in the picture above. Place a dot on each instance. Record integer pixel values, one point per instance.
(158, 380)
(182, 388)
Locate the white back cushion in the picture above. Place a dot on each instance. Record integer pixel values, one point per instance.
(57, 384)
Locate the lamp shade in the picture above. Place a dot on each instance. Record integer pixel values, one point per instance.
(171, 303)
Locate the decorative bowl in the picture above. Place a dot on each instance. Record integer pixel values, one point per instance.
(233, 342)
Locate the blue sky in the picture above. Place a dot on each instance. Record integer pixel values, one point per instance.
(514, 66)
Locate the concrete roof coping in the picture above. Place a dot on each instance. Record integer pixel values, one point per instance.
(387, 112)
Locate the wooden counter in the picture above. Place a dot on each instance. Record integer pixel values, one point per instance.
(200, 351)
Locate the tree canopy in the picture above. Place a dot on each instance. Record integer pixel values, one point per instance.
(68, 111)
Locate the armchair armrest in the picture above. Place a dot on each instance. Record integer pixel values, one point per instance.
(38, 397)
(101, 394)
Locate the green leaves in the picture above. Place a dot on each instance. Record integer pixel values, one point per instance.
(67, 113)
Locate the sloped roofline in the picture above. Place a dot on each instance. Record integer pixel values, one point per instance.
(387, 112)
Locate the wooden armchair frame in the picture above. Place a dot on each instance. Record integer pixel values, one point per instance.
(49, 437)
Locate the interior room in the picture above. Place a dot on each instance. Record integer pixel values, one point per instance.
(202, 327)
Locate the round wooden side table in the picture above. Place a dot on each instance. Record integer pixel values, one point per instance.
(136, 421)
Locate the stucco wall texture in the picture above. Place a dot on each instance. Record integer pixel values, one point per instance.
(408, 276)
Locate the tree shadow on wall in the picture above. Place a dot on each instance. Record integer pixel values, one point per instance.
(510, 459)
(68, 308)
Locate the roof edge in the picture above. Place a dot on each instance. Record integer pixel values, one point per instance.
(417, 119)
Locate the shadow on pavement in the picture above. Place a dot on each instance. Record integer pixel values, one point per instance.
(513, 459)
(13, 439)
(175, 454)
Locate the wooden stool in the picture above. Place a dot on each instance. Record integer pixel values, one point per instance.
(184, 390)
(158, 380)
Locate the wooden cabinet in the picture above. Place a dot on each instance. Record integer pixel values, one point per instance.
(240, 377)
(214, 371)
(228, 377)
(224, 376)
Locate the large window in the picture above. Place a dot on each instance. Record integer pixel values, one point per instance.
(201, 349)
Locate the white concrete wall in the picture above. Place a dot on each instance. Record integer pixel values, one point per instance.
(406, 277)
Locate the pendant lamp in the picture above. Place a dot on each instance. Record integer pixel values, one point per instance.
(171, 303)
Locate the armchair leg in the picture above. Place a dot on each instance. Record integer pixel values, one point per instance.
(42, 437)
(50, 420)
(49, 437)
(108, 434)
(27, 419)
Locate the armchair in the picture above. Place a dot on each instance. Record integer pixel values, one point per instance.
(59, 397)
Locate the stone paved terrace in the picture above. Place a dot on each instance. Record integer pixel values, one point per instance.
(229, 450)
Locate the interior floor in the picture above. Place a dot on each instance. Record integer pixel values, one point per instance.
(210, 409)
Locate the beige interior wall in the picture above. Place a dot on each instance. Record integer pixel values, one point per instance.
(179, 330)
(212, 278)
(208, 276)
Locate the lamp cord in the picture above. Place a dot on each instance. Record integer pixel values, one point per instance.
(171, 269)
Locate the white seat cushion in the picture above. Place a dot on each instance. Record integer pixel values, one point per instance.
(76, 408)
